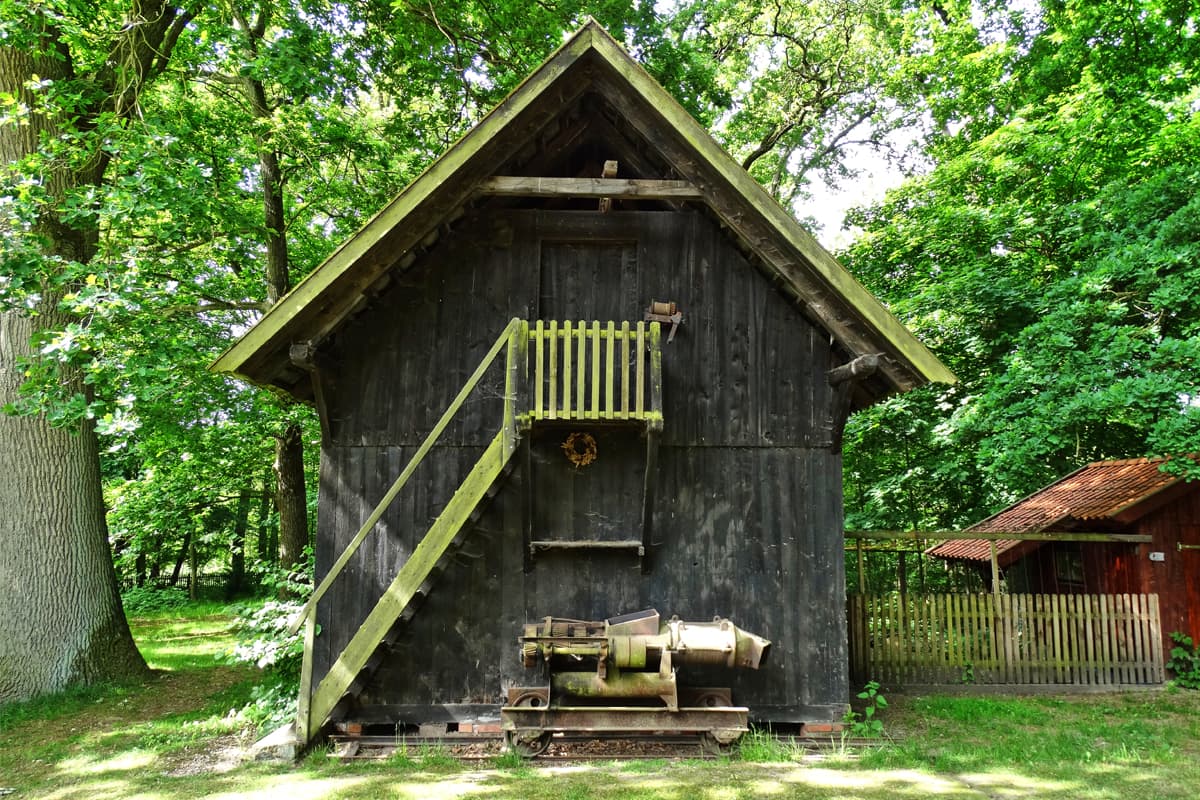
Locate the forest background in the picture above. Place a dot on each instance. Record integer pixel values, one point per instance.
(172, 169)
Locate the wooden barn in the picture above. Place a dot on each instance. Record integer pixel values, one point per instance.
(623, 370)
(1130, 498)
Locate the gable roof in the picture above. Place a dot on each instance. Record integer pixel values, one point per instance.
(590, 61)
(1103, 491)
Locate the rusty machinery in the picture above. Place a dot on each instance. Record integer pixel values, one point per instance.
(620, 676)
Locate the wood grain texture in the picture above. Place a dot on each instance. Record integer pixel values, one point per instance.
(746, 517)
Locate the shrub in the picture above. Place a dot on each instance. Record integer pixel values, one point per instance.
(867, 725)
(1185, 661)
(148, 599)
(263, 640)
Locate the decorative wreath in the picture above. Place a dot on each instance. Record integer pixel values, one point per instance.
(580, 449)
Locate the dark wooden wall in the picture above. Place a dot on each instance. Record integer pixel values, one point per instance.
(748, 519)
(1176, 579)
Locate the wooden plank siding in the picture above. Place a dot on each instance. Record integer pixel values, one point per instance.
(1080, 640)
(747, 517)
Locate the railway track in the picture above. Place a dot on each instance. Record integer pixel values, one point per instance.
(570, 747)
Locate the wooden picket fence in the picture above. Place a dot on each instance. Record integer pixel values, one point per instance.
(1080, 639)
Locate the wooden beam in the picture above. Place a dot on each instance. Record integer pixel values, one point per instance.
(1025, 536)
(994, 558)
(858, 369)
(610, 171)
(618, 188)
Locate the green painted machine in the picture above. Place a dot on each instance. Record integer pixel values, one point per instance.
(620, 675)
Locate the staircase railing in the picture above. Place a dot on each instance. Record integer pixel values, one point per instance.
(507, 337)
(589, 371)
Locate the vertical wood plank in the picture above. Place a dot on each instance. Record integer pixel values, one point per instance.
(988, 611)
(926, 649)
(995, 561)
(971, 628)
(1034, 638)
(1031, 636)
(952, 660)
(852, 636)
(969, 651)
(1058, 661)
(1008, 627)
(624, 369)
(655, 343)
(1013, 608)
(885, 629)
(539, 372)
(1073, 642)
(1156, 642)
(640, 395)
(552, 411)
(594, 412)
(609, 376)
(1126, 637)
(581, 372)
(1089, 640)
(1064, 618)
(1114, 625)
(567, 402)
(1139, 639)
(1101, 625)
(862, 577)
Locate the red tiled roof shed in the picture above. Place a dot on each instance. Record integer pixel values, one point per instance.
(1101, 491)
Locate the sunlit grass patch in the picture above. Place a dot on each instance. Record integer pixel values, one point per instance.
(190, 638)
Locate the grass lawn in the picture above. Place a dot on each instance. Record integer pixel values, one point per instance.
(179, 735)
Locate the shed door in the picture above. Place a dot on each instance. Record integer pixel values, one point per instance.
(589, 281)
(1189, 558)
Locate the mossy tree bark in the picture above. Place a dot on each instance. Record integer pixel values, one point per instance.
(60, 614)
(61, 620)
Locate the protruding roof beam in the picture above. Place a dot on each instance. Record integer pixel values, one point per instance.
(616, 188)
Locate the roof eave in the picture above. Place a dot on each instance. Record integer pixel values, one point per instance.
(822, 285)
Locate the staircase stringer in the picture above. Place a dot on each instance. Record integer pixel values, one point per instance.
(408, 581)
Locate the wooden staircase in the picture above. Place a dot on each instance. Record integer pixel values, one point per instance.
(531, 395)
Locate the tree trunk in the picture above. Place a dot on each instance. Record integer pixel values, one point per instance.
(265, 552)
(60, 613)
(184, 549)
(289, 447)
(237, 551)
(291, 498)
(61, 620)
